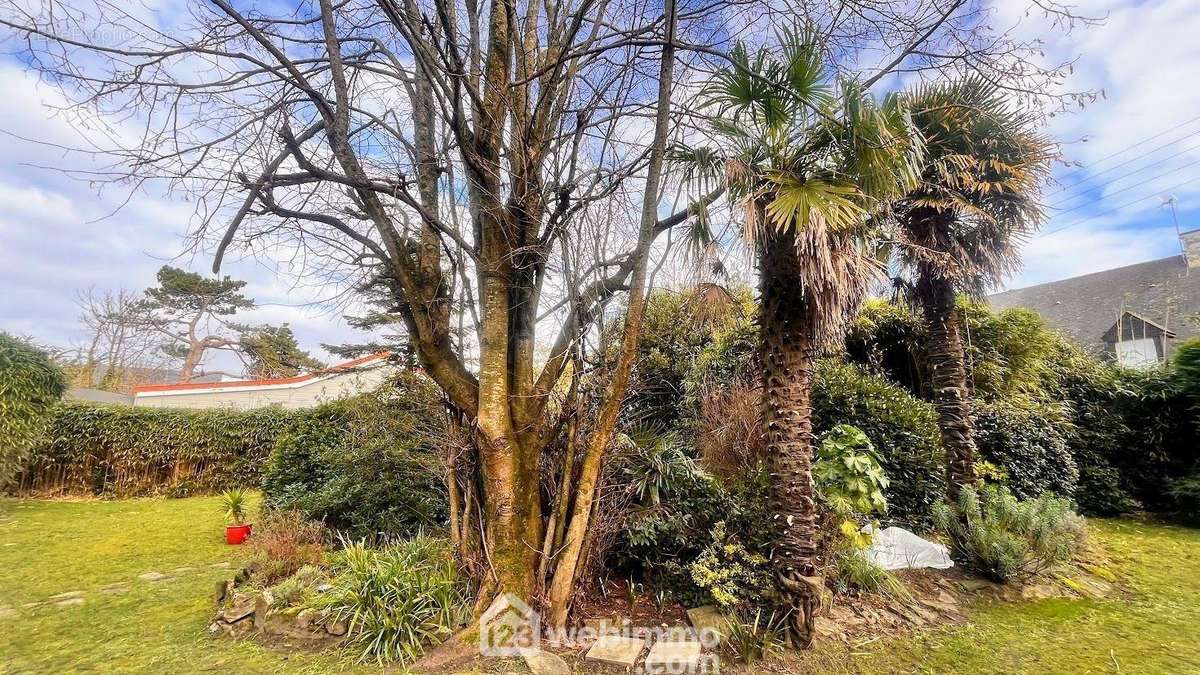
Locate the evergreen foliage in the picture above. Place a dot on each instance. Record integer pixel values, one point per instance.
(30, 384)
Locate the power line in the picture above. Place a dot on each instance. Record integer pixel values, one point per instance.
(1112, 210)
(1123, 176)
(1093, 177)
(1131, 147)
(1127, 189)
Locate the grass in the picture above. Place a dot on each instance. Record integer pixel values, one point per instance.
(54, 547)
(1152, 629)
(48, 548)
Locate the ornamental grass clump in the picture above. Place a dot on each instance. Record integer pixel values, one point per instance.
(398, 599)
(1004, 538)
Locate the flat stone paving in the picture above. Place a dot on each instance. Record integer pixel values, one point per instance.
(616, 650)
(674, 656)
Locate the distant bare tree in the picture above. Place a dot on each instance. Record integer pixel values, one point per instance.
(117, 349)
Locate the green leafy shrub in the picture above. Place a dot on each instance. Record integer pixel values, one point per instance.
(297, 588)
(733, 576)
(30, 384)
(850, 481)
(902, 428)
(367, 465)
(1185, 495)
(125, 451)
(1004, 538)
(1025, 440)
(661, 540)
(396, 599)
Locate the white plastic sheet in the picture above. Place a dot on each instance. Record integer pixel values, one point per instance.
(895, 548)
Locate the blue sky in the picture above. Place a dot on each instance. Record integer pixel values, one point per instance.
(59, 234)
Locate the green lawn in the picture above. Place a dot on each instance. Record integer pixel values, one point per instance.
(1153, 628)
(47, 548)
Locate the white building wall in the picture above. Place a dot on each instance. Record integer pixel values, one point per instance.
(291, 396)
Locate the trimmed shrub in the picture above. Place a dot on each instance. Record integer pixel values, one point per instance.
(1025, 440)
(365, 466)
(902, 429)
(30, 384)
(1004, 538)
(125, 451)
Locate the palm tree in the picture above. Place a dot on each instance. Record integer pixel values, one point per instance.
(809, 164)
(960, 230)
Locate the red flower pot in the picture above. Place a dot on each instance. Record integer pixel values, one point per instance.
(236, 534)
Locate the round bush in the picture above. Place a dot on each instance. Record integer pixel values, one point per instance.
(365, 466)
(30, 384)
(902, 428)
(1024, 439)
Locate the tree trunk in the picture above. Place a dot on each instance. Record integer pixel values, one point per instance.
(948, 377)
(788, 354)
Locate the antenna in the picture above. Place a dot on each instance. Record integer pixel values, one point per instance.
(1169, 202)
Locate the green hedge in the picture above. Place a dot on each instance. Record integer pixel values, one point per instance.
(1026, 440)
(29, 385)
(125, 451)
(363, 464)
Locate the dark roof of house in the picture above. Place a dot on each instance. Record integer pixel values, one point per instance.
(1161, 292)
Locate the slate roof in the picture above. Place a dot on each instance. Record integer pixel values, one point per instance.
(1086, 307)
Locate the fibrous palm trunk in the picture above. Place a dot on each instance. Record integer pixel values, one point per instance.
(948, 377)
(788, 356)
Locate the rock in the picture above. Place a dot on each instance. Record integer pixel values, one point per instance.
(337, 627)
(674, 656)
(1091, 587)
(115, 589)
(975, 585)
(616, 650)
(7, 612)
(305, 618)
(152, 576)
(262, 605)
(70, 602)
(710, 624)
(324, 588)
(68, 594)
(545, 663)
(237, 613)
(220, 565)
(1039, 592)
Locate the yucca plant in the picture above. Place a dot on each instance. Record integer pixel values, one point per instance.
(235, 505)
(811, 162)
(397, 599)
(960, 228)
(756, 637)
